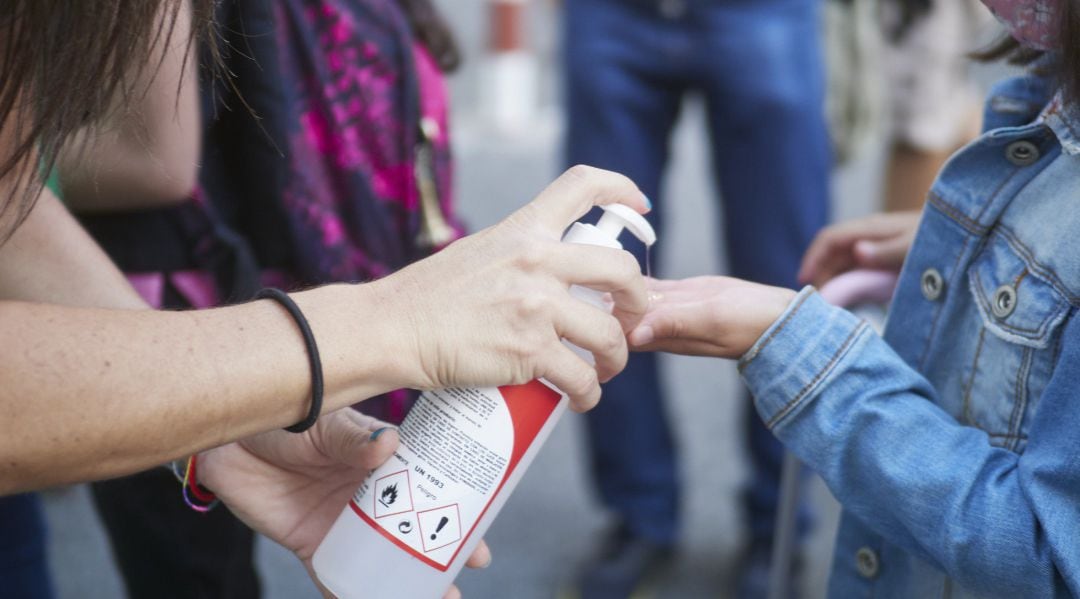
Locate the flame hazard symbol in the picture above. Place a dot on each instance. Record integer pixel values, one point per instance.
(393, 495)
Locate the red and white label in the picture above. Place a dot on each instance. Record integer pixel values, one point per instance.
(458, 448)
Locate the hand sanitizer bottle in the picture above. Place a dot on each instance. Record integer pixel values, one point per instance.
(411, 525)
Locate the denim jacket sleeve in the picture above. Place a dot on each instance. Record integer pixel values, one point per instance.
(842, 400)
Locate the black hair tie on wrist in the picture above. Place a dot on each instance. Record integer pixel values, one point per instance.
(312, 351)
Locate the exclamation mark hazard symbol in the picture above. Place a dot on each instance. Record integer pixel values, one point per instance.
(442, 523)
(439, 527)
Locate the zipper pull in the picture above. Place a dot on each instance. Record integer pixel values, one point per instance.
(434, 230)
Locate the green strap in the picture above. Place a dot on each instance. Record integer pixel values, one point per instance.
(52, 181)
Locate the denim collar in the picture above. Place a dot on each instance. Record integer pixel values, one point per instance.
(1064, 120)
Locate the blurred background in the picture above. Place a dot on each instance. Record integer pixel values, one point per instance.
(507, 126)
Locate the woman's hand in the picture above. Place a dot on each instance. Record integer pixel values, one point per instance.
(877, 242)
(292, 487)
(719, 317)
(492, 308)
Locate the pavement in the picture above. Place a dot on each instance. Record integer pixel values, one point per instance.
(553, 521)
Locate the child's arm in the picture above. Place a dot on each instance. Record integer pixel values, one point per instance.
(843, 401)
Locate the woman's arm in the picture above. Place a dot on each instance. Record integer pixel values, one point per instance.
(146, 153)
(92, 393)
(286, 486)
(843, 401)
(50, 258)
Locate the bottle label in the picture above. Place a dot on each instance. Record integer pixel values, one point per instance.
(458, 448)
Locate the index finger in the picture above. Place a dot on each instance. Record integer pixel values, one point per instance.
(603, 269)
(577, 191)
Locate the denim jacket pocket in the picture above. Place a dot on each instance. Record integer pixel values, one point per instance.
(1015, 303)
(1019, 315)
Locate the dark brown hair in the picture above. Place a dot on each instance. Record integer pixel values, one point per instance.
(1065, 68)
(1068, 69)
(63, 64)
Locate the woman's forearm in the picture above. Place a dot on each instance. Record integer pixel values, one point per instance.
(96, 386)
(91, 393)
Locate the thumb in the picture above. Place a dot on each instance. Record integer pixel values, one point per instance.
(886, 254)
(349, 437)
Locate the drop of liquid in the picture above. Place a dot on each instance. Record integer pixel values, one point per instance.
(654, 296)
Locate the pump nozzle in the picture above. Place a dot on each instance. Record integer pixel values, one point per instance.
(618, 217)
(606, 232)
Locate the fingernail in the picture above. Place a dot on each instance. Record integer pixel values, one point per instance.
(648, 202)
(642, 336)
(487, 563)
(375, 435)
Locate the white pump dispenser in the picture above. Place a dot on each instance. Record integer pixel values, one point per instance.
(606, 232)
(412, 524)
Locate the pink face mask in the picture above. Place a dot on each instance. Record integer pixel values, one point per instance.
(1034, 23)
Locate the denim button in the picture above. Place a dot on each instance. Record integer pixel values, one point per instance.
(866, 562)
(1022, 153)
(673, 9)
(932, 284)
(1004, 301)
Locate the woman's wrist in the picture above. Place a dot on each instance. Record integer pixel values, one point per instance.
(364, 345)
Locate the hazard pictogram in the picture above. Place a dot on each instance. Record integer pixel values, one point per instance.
(393, 494)
(439, 527)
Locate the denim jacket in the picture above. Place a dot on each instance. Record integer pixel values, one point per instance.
(953, 441)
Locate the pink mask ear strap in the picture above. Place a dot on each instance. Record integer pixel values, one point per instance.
(1033, 23)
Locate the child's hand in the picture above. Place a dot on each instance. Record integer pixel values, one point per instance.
(708, 316)
(877, 242)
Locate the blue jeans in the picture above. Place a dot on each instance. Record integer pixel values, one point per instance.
(24, 568)
(757, 64)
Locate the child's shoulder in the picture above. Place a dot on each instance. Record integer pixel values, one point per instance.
(1017, 100)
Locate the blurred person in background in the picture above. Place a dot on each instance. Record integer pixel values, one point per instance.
(902, 67)
(24, 563)
(344, 175)
(933, 101)
(628, 66)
